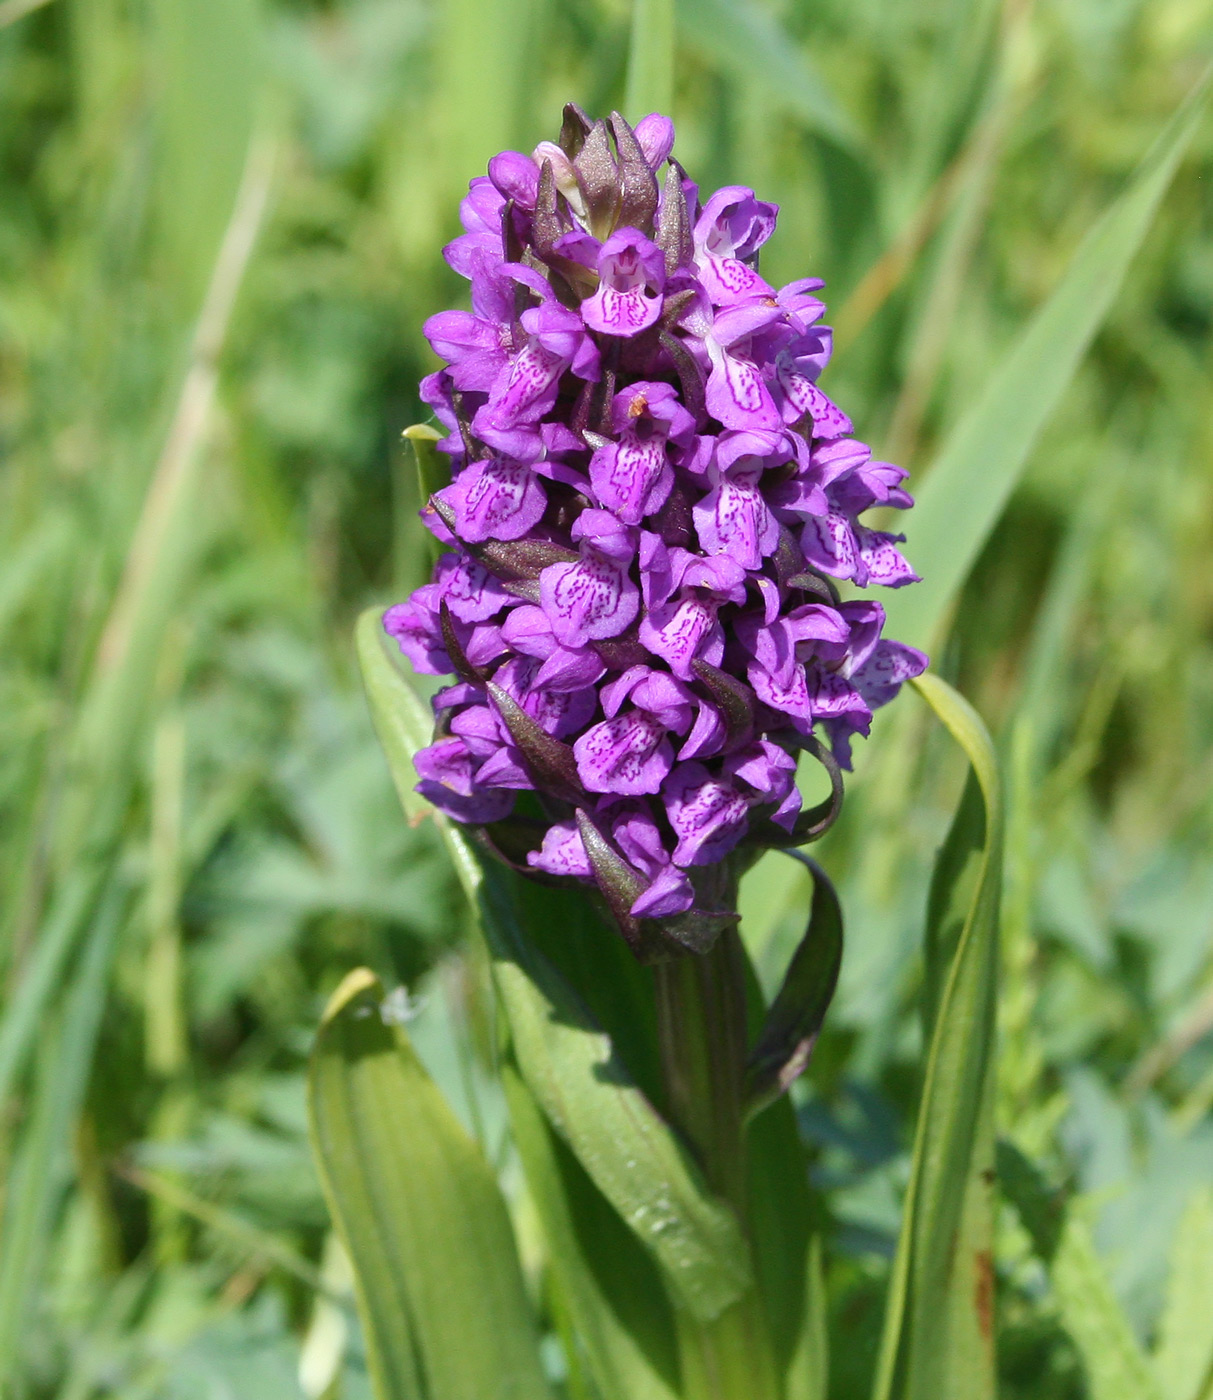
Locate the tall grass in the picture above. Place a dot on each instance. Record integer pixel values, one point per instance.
(219, 235)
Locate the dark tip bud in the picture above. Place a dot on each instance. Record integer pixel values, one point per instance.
(674, 521)
(788, 558)
(574, 128)
(674, 224)
(732, 698)
(454, 649)
(639, 203)
(510, 241)
(546, 221)
(623, 651)
(673, 307)
(689, 374)
(550, 763)
(598, 176)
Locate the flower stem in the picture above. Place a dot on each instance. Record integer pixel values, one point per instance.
(701, 1016)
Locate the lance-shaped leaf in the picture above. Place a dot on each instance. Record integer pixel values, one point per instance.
(464, 669)
(690, 376)
(938, 1340)
(639, 203)
(550, 763)
(403, 721)
(574, 128)
(440, 1294)
(572, 1065)
(793, 1023)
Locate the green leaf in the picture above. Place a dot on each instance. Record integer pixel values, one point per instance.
(439, 1289)
(744, 39)
(570, 1063)
(938, 1339)
(809, 1376)
(975, 473)
(1116, 1366)
(1184, 1358)
(791, 1026)
(607, 1282)
(650, 86)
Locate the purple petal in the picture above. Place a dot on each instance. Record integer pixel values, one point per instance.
(655, 136)
(419, 636)
(884, 562)
(669, 894)
(736, 394)
(516, 176)
(708, 816)
(496, 499)
(620, 313)
(588, 601)
(629, 754)
(880, 677)
(468, 589)
(562, 852)
(735, 519)
(681, 631)
(829, 544)
(632, 477)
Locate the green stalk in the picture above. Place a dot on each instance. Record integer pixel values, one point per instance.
(701, 1016)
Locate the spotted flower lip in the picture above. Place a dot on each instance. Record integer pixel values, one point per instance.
(652, 507)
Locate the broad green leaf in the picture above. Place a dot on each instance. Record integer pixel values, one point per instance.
(608, 1284)
(744, 39)
(1116, 1366)
(569, 1062)
(439, 1289)
(975, 473)
(650, 86)
(1184, 1358)
(938, 1339)
(38, 1176)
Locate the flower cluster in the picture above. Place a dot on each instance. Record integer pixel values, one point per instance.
(651, 499)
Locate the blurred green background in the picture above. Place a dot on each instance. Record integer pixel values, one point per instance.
(220, 225)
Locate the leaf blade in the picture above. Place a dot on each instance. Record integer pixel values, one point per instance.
(407, 1186)
(938, 1339)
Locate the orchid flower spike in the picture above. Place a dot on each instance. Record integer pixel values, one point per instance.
(651, 505)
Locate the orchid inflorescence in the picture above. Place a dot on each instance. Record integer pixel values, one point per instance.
(650, 503)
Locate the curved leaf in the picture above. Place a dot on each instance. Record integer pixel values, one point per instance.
(440, 1293)
(938, 1338)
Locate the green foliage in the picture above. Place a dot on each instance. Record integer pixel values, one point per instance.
(220, 239)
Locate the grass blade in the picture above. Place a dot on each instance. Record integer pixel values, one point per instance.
(744, 39)
(439, 1289)
(977, 470)
(650, 86)
(938, 1340)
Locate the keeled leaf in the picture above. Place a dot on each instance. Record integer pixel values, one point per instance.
(975, 473)
(793, 1022)
(1116, 1366)
(569, 1062)
(938, 1339)
(439, 1289)
(606, 1281)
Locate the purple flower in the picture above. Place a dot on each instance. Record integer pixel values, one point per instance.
(632, 272)
(650, 499)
